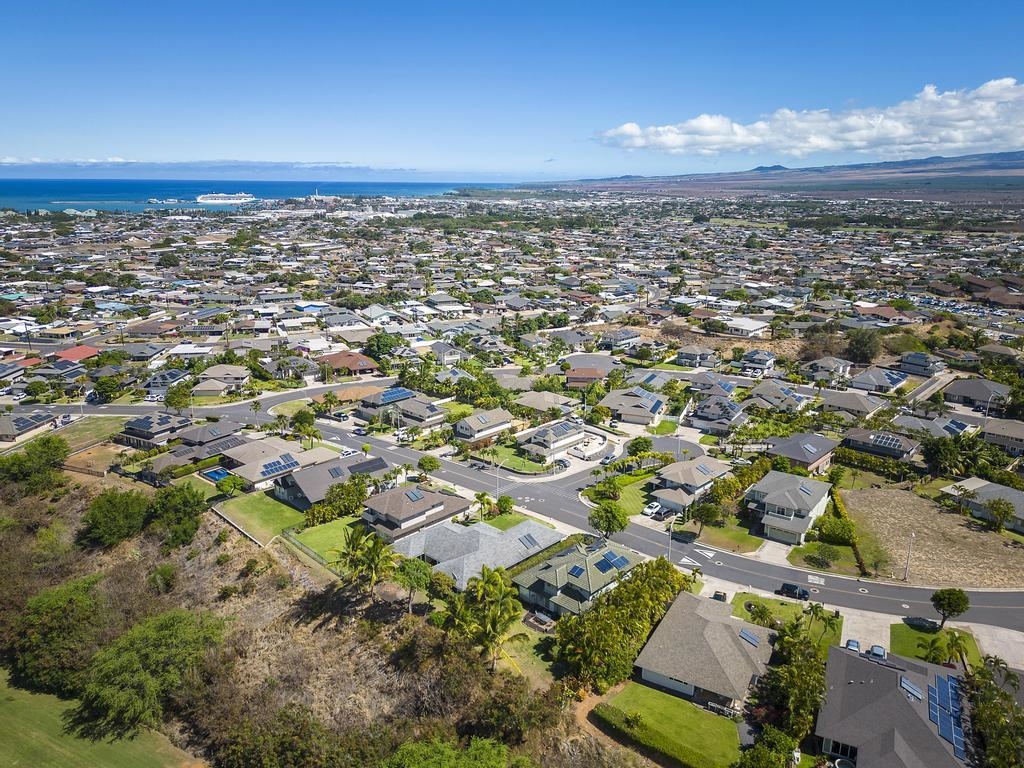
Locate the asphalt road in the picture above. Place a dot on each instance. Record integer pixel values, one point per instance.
(558, 498)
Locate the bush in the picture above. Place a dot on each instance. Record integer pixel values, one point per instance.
(836, 530)
(56, 634)
(880, 465)
(175, 512)
(163, 578)
(114, 516)
(626, 725)
(188, 469)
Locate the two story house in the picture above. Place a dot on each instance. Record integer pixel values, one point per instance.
(405, 509)
(788, 504)
(483, 425)
(682, 483)
(552, 440)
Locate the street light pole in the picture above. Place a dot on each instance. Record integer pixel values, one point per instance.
(496, 479)
(910, 549)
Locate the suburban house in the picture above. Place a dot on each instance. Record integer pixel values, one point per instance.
(262, 462)
(977, 392)
(305, 487)
(1007, 434)
(461, 551)
(680, 484)
(569, 582)
(620, 338)
(941, 426)
(635, 406)
(789, 504)
(827, 369)
(552, 440)
(805, 449)
(746, 327)
(708, 384)
(542, 402)
(349, 363)
(921, 364)
(890, 713)
(204, 444)
(756, 362)
(881, 443)
(717, 416)
(980, 492)
(773, 396)
(152, 430)
(447, 354)
(14, 425)
(876, 379)
(400, 511)
(483, 425)
(694, 356)
(581, 378)
(856, 404)
(221, 379)
(164, 380)
(700, 651)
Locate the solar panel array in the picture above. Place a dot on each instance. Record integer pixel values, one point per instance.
(704, 469)
(811, 449)
(885, 440)
(395, 394)
(944, 711)
(805, 490)
(750, 637)
(576, 571)
(335, 472)
(529, 541)
(604, 566)
(414, 495)
(279, 465)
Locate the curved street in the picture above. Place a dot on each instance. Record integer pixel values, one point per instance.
(558, 498)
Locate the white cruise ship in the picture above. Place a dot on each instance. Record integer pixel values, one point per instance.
(222, 199)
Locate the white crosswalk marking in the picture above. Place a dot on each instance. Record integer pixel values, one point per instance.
(689, 561)
(708, 553)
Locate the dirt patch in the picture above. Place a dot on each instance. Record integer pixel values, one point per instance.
(681, 334)
(948, 549)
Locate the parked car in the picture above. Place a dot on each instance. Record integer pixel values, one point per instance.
(360, 431)
(878, 652)
(720, 597)
(651, 509)
(792, 590)
(561, 464)
(853, 645)
(613, 424)
(663, 515)
(607, 459)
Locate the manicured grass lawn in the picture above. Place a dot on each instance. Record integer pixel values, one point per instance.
(87, 430)
(529, 657)
(903, 642)
(213, 399)
(664, 427)
(205, 487)
(323, 538)
(785, 611)
(863, 479)
(31, 734)
(930, 490)
(708, 440)
(504, 522)
(733, 536)
(290, 408)
(261, 515)
(671, 367)
(509, 458)
(846, 564)
(634, 496)
(674, 721)
(458, 410)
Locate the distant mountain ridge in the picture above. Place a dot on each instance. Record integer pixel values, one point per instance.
(990, 177)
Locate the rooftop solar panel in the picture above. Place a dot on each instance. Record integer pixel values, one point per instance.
(413, 495)
(809, 448)
(576, 571)
(604, 566)
(911, 689)
(750, 637)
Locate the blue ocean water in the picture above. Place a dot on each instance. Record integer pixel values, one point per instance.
(133, 194)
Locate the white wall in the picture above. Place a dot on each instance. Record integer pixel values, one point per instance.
(686, 689)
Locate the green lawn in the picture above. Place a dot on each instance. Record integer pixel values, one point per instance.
(708, 440)
(509, 458)
(681, 728)
(31, 734)
(784, 611)
(458, 410)
(261, 515)
(671, 367)
(289, 408)
(205, 487)
(90, 429)
(633, 490)
(504, 522)
(846, 564)
(323, 538)
(733, 536)
(863, 479)
(530, 657)
(664, 427)
(930, 490)
(200, 400)
(903, 642)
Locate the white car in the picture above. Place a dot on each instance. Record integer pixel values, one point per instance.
(651, 509)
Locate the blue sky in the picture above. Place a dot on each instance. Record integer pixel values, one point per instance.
(518, 90)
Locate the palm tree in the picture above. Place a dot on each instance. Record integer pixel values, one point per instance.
(933, 648)
(313, 434)
(956, 647)
(407, 470)
(256, 406)
(458, 616)
(492, 631)
(963, 495)
(483, 502)
(828, 623)
(490, 586)
(349, 554)
(761, 615)
(817, 612)
(280, 423)
(377, 562)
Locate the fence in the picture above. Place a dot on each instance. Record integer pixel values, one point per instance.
(288, 534)
(84, 470)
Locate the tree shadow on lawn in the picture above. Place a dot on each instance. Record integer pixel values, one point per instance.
(342, 602)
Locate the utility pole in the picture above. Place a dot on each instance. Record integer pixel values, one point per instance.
(910, 549)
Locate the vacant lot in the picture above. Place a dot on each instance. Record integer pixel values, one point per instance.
(948, 549)
(32, 733)
(88, 430)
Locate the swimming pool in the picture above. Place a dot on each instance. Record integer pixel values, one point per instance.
(216, 474)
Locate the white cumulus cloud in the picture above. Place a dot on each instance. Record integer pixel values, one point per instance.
(989, 118)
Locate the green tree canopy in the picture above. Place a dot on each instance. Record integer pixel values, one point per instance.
(950, 603)
(114, 516)
(608, 518)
